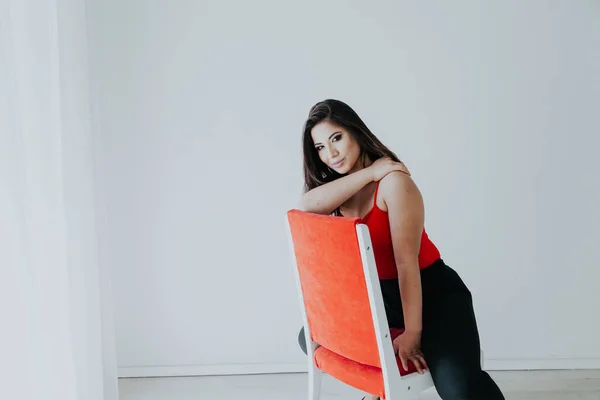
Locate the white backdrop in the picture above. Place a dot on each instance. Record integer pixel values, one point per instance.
(493, 106)
(57, 340)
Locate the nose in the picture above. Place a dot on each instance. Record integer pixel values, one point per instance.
(331, 152)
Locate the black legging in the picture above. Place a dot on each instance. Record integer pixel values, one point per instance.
(450, 340)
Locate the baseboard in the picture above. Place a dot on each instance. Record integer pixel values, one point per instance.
(206, 370)
(508, 364)
(249, 369)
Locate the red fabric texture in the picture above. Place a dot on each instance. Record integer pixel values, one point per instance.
(333, 285)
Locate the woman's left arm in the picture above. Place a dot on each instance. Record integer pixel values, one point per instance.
(406, 217)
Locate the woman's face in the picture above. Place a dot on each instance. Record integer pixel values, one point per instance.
(336, 147)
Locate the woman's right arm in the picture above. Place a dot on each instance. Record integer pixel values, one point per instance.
(326, 198)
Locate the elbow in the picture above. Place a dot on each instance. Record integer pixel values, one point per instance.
(309, 206)
(303, 205)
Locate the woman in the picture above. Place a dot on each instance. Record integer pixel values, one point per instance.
(349, 172)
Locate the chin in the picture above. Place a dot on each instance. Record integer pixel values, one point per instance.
(350, 169)
(343, 171)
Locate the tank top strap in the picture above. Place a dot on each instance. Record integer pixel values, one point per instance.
(376, 190)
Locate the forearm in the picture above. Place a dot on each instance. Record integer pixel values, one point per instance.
(326, 198)
(409, 278)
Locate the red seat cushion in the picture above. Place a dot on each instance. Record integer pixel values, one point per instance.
(361, 376)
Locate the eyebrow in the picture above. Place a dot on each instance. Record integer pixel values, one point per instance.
(334, 133)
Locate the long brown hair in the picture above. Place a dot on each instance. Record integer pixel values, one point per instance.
(316, 172)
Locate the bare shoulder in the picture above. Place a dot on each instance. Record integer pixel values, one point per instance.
(398, 186)
(397, 180)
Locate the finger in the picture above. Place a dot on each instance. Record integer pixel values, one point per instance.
(404, 361)
(423, 362)
(399, 166)
(406, 169)
(417, 363)
(403, 169)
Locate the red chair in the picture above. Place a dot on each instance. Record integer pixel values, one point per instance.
(345, 324)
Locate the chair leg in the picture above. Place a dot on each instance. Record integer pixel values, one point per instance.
(315, 376)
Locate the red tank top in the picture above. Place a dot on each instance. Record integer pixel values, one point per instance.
(381, 238)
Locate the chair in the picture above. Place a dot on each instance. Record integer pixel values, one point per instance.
(345, 324)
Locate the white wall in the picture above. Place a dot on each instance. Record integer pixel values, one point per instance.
(200, 106)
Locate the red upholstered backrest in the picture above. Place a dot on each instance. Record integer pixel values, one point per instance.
(333, 285)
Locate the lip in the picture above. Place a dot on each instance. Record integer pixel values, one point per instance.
(339, 163)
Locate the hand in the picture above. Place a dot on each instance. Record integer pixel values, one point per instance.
(384, 166)
(408, 347)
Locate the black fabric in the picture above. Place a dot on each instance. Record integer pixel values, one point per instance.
(450, 339)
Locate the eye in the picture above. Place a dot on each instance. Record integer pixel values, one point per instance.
(336, 138)
(319, 148)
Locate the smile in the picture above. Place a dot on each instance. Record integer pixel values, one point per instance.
(338, 164)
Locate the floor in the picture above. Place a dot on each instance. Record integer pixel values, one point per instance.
(516, 385)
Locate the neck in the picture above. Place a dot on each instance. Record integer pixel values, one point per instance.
(360, 165)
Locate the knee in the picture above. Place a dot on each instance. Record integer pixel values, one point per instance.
(451, 383)
(302, 341)
(461, 382)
